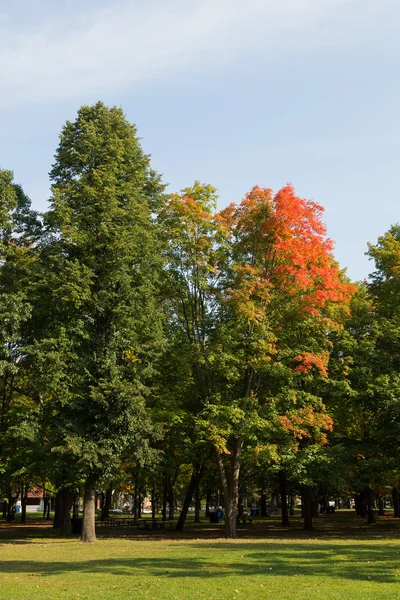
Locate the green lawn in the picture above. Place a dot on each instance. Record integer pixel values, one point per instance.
(355, 563)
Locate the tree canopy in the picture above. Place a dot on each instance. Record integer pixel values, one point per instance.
(155, 345)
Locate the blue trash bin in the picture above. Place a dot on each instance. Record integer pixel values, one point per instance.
(216, 516)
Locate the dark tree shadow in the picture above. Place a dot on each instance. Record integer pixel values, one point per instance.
(345, 562)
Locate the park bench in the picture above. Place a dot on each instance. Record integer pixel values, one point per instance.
(118, 522)
(155, 524)
(246, 519)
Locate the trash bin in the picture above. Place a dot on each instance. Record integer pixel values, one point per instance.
(76, 524)
(216, 516)
(213, 517)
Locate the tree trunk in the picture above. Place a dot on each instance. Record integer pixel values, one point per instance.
(197, 504)
(240, 505)
(105, 511)
(139, 503)
(284, 504)
(58, 509)
(66, 512)
(75, 507)
(272, 507)
(11, 507)
(45, 505)
(88, 525)
(24, 502)
(370, 508)
(197, 474)
(263, 511)
(314, 502)
(153, 503)
(230, 486)
(396, 502)
(135, 496)
(291, 510)
(307, 507)
(164, 498)
(361, 504)
(170, 496)
(5, 509)
(208, 501)
(381, 510)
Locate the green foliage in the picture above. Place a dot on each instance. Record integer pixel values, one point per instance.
(20, 228)
(142, 334)
(100, 264)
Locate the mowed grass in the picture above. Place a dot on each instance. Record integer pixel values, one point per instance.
(355, 563)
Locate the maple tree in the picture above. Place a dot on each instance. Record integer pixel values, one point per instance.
(284, 292)
(255, 290)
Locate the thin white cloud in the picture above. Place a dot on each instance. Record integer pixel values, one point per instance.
(60, 56)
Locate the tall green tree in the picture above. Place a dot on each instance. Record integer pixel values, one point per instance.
(102, 262)
(20, 229)
(364, 401)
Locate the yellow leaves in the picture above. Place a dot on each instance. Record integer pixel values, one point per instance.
(131, 357)
(267, 452)
(251, 294)
(220, 444)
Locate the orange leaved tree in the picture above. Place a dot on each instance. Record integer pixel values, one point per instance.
(256, 290)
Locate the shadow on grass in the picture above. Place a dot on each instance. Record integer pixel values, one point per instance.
(347, 561)
(343, 525)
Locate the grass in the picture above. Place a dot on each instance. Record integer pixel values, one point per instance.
(342, 559)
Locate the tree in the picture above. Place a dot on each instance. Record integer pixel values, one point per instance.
(254, 288)
(279, 300)
(191, 242)
(101, 260)
(20, 228)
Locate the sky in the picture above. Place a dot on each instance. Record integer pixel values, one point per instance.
(235, 93)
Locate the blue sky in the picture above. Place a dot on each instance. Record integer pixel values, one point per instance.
(230, 92)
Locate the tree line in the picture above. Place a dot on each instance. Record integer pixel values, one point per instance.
(154, 344)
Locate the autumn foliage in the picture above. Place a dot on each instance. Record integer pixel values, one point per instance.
(307, 423)
(290, 250)
(284, 272)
